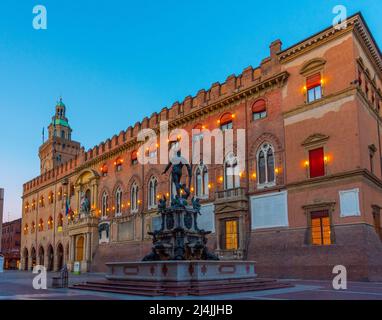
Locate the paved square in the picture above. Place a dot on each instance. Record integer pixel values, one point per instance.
(17, 285)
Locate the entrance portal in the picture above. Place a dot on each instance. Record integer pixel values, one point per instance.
(80, 248)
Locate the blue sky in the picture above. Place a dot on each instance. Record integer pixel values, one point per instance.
(115, 62)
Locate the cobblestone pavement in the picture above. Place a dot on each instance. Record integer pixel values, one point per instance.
(17, 285)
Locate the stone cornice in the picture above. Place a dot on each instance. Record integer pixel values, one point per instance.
(358, 173)
(314, 41)
(355, 23)
(318, 103)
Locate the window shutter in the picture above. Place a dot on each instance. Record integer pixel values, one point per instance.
(259, 106)
(313, 81)
(316, 163)
(226, 118)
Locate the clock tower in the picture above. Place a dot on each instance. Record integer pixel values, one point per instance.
(59, 148)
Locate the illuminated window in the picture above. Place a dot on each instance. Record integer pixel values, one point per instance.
(27, 207)
(60, 220)
(231, 236)
(314, 87)
(320, 226)
(152, 193)
(26, 228)
(316, 163)
(118, 164)
(42, 201)
(118, 201)
(50, 223)
(266, 165)
(33, 229)
(104, 170)
(259, 110)
(226, 121)
(41, 225)
(134, 157)
(51, 198)
(59, 194)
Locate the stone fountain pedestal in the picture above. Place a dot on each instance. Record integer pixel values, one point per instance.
(180, 263)
(164, 271)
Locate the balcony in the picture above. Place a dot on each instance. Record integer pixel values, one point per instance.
(227, 195)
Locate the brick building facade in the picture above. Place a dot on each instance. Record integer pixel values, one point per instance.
(1, 213)
(10, 243)
(308, 198)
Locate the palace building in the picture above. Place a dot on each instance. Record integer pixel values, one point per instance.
(310, 195)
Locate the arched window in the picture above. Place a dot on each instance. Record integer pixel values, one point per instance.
(259, 109)
(118, 201)
(231, 172)
(51, 197)
(104, 170)
(50, 223)
(59, 194)
(72, 190)
(33, 229)
(41, 225)
(226, 121)
(118, 164)
(27, 207)
(33, 204)
(60, 220)
(26, 228)
(63, 134)
(105, 205)
(134, 157)
(134, 198)
(201, 181)
(152, 193)
(42, 201)
(266, 165)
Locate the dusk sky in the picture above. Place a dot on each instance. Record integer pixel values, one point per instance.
(115, 62)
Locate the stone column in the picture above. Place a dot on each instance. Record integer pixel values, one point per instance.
(30, 263)
(46, 259)
(72, 249)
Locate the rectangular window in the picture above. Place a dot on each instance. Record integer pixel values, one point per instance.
(320, 226)
(314, 88)
(316, 163)
(377, 224)
(231, 234)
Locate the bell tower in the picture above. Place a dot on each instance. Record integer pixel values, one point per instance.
(59, 148)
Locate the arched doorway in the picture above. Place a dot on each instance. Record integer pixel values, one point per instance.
(34, 258)
(60, 256)
(67, 253)
(50, 258)
(26, 257)
(41, 254)
(80, 248)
